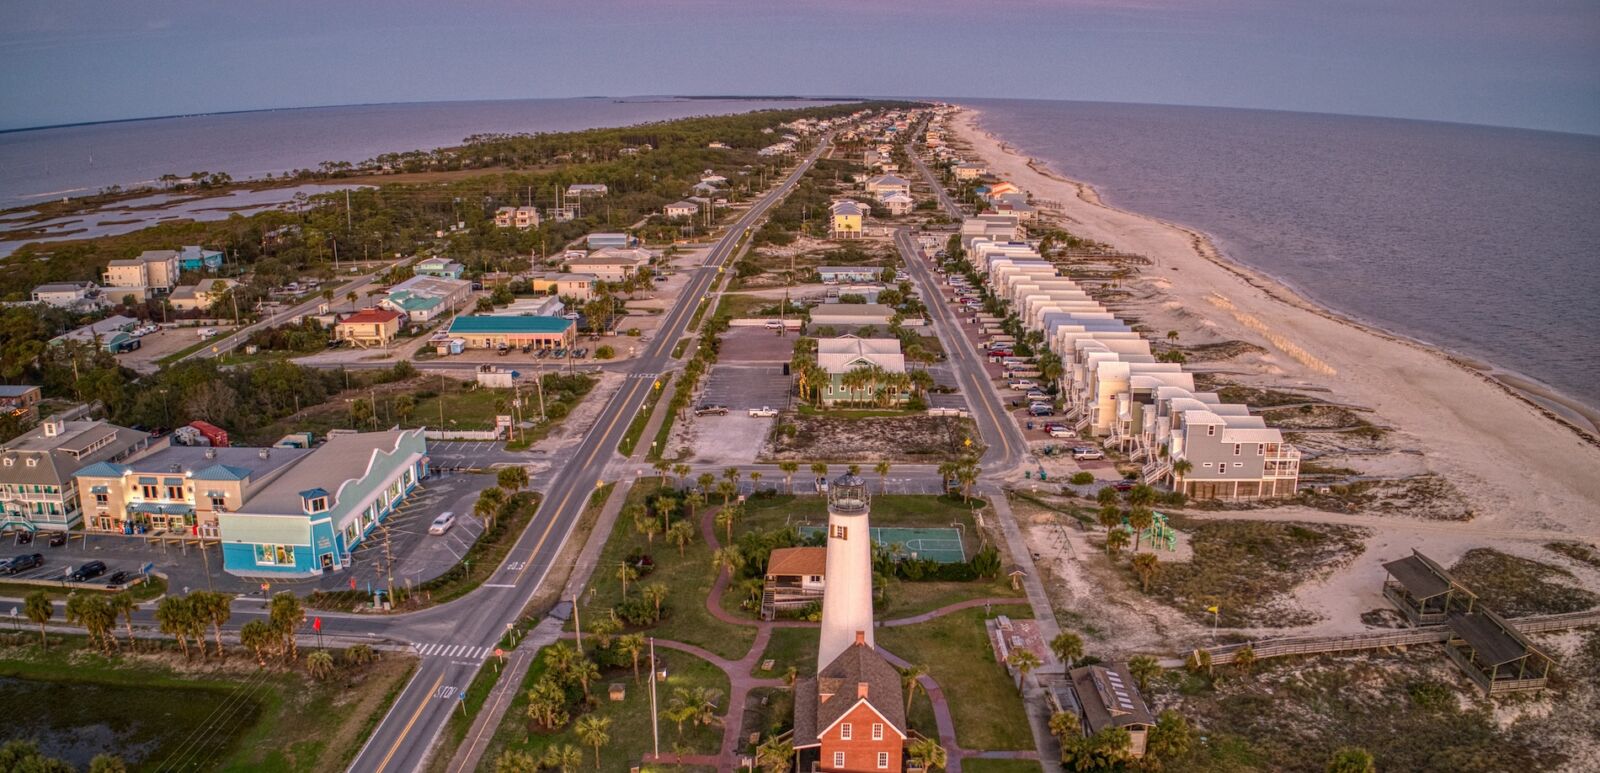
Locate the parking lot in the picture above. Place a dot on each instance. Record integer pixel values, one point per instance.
(742, 387)
(417, 556)
(61, 561)
(756, 344)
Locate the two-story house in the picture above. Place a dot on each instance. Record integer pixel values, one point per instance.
(36, 486)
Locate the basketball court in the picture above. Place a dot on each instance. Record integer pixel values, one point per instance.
(942, 545)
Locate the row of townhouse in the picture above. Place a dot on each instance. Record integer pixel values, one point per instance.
(277, 512)
(1115, 388)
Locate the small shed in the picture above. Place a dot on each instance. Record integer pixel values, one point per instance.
(1423, 591)
(618, 691)
(1495, 655)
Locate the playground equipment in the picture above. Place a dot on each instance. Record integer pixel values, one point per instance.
(1158, 534)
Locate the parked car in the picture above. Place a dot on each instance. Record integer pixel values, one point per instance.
(119, 578)
(88, 571)
(581, 352)
(711, 410)
(764, 412)
(1021, 384)
(560, 354)
(1062, 432)
(57, 539)
(541, 354)
(822, 485)
(1123, 485)
(570, 315)
(1040, 409)
(502, 350)
(23, 562)
(773, 324)
(996, 354)
(1086, 453)
(443, 523)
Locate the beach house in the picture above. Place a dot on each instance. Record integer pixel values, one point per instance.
(439, 267)
(582, 190)
(154, 272)
(846, 215)
(611, 264)
(200, 295)
(21, 402)
(67, 295)
(422, 297)
(578, 286)
(517, 217)
(197, 258)
(369, 327)
(683, 209)
(839, 357)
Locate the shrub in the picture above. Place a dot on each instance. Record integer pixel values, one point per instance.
(604, 353)
(1081, 478)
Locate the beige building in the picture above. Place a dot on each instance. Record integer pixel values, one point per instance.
(154, 272)
(580, 286)
(177, 488)
(199, 296)
(36, 469)
(517, 217)
(369, 327)
(612, 264)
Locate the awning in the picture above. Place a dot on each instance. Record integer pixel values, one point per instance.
(147, 481)
(172, 482)
(161, 509)
(99, 490)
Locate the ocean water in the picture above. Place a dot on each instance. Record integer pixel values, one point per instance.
(74, 160)
(1481, 240)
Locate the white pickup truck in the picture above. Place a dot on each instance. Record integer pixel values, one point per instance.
(764, 412)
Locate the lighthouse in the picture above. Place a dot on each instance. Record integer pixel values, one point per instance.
(847, 597)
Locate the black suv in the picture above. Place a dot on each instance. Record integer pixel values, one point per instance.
(88, 571)
(24, 561)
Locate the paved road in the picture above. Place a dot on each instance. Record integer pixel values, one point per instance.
(231, 341)
(402, 741)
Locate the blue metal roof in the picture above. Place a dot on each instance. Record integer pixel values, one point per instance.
(486, 324)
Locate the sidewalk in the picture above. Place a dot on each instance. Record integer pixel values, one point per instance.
(470, 754)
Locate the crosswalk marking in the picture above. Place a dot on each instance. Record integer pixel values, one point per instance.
(449, 650)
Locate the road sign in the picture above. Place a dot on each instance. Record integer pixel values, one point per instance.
(316, 624)
(147, 567)
(516, 374)
(499, 653)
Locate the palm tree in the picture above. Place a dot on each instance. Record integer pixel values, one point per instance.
(1065, 725)
(691, 500)
(775, 755)
(927, 753)
(967, 473)
(662, 467)
(173, 615)
(1109, 515)
(585, 671)
(287, 615)
(656, 594)
(1145, 566)
(1143, 668)
(728, 516)
(882, 468)
(565, 757)
(681, 534)
(39, 610)
(633, 644)
(1068, 647)
(819, 469)
(515, 761)
(727, 489)
(729, 557)
(95, 615)
(1180, 468)
(789, 469)
(124, 606)
(705, 481)
(490, 500)
(733, 475)
(680, 471)
(649, 527)
(1023, 661)
(664, 506)
(911, 677)
(1352, 759)
(1199, 660)
(1140, 519)
(319, 665)
(547, 703)
(512, 479)
(594, 731)
(560, 659)
(626, 574)
(755, 481)
(258, 636)
(1170, 738)
(216, 609)
(1116, 540)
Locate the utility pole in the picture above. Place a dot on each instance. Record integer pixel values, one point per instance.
(655, 725)
(577, 628)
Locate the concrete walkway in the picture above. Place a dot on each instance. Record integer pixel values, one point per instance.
(547, 632)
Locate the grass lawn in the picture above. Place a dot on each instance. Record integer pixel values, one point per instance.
(194, 715)
(144, 591)
(977, 765)
(630, 439)
(688, 578)
(986, 707)
(796, 647)
(1514, 586)
(630, 717)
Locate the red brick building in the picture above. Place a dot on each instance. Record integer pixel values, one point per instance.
(851, 717)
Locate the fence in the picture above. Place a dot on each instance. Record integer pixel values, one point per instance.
(461, 434)
(1316, 645)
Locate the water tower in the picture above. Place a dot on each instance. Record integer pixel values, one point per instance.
(847, 592)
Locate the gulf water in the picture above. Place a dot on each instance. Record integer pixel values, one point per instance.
(1482, 240)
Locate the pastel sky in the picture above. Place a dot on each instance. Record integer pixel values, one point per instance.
(1528, 63)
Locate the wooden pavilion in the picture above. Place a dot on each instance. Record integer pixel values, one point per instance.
(1424, 592)
(1496, 656)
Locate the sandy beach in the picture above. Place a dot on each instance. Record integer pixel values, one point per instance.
(1522, 460)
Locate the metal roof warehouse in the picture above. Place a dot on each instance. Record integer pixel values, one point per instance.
(484, 332)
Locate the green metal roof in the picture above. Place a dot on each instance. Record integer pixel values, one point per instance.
(486, 324)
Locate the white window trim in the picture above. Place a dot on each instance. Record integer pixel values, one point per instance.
(883, 760)
(838, 759)
(845, 731)
(877, 731)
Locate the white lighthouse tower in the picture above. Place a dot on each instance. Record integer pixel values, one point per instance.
(847, 594)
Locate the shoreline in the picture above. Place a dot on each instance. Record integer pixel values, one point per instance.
(1579, 416)
(1516, 453)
